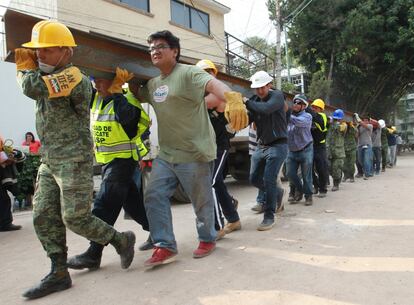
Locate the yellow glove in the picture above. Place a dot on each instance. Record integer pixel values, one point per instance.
(121, 77)
(25, 59)
(235, 112)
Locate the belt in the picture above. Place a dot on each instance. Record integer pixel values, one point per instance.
(275, 142)
(307, 145)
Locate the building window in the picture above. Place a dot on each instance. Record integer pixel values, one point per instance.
(139, 4)
(190, 17)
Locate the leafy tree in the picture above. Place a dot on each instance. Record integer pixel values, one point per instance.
(364, 49)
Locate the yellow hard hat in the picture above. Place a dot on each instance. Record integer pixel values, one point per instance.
(47, 34)
(206, 64)
(319, 103)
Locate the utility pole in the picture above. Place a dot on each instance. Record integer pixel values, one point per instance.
(278, 58)
(287, 54)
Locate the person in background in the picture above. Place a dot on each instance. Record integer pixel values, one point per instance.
(260, 198)
(10, 161)
(376, 147)
(350, 143)
(34, 145)
(384, 144)
(224, 202)
(300, 150)
(336, 148)
(392, 146)
(319, 131)
(364, 144)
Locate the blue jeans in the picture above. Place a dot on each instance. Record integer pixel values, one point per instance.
(195, 178)
(365, 159)
(377, 159)
(304, 160)
(266, 162)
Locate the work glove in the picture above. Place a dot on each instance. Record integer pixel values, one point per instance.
(235, 111)
(25, 59)
(357, 118)
(122, 76)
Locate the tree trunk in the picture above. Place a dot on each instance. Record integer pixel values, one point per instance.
(331, 66)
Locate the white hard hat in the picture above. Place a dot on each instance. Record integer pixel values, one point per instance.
(381, 123)
(260, 79)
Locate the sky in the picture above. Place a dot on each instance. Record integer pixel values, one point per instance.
(248, 18)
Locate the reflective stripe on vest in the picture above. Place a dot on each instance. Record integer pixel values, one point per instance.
(325, 129)
(111, 141)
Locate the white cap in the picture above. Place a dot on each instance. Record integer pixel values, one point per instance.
(260, 79)
(381, 123)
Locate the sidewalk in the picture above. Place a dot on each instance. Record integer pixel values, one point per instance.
(354, 247)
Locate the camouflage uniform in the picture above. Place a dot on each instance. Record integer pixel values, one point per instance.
(64, 184)
(350, 152)
(384, 147)
(336, 150)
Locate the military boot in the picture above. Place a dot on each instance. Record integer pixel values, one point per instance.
(90, 259)
(335, 186)
(124, 245)
(58, 279)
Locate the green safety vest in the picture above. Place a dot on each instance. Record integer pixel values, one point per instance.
(325, 128)
(111, 141)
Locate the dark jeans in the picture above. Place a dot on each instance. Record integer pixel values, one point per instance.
(320, 168)
(266, 162)
(119, 190)
(377, 159)
(223, 202)
(304, 160)
(6, 217)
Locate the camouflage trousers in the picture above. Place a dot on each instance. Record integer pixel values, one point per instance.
(336, 165)
(63, 199)
(349, 164)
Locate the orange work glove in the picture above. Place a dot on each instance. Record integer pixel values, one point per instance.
(235, 112)
(25, 59)
(121, 77)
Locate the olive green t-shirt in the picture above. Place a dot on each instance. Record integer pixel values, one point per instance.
(185, 133)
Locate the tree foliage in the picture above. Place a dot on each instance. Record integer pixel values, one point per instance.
(364, 49)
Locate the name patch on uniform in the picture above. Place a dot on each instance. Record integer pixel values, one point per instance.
(160, 95)
(62, 83)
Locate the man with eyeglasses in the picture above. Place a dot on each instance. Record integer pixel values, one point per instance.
(300, 150)
(187, 144)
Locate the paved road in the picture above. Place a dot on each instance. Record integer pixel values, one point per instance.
(354, 247)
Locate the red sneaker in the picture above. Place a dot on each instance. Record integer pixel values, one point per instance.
(204, 249)
(160, 256)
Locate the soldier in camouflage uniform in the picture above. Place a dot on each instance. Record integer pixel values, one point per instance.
(336, 149)
(384, 144)
(64, 184)
(350, 152)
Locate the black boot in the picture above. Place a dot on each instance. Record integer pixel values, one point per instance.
(90, 259)
(124, 244)
(146, 245)
(58, 279)
(336, 185)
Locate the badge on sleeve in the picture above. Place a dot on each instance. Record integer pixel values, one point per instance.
(62, 83)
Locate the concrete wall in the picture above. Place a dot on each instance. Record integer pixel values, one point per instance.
(16, 110)
(45, 9)
(133, 25)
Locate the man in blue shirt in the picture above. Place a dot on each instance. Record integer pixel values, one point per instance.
(267, 111)
(300, 149)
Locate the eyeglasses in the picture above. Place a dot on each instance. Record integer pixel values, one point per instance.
(158, 47)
